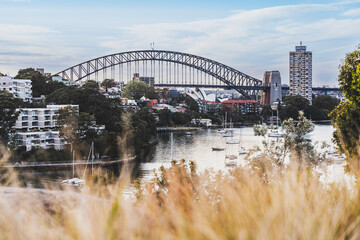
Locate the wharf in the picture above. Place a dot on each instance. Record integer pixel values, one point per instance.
(177, 129)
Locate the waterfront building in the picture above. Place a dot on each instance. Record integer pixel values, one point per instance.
(300, 66)
(202, 122)
(37, 127)
(20, 88)
(148, 80)
(272, 80)
(243, 106)
(39, 118)
(57, 78)
(41, 139)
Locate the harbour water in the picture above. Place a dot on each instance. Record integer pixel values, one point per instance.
(196, 147)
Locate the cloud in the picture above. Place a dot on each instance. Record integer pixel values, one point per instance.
(252, 41)
(352, 12)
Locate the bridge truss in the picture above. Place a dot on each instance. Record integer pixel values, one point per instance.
(169, 69)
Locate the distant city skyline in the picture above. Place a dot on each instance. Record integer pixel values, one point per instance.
(252, 37)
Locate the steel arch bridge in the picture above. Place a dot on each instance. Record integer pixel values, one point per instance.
(225, 76)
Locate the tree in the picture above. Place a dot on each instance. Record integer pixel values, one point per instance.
(106, 111)
(151, 93)
(41, 85)
(8, 114)
(86, 125)
(266, 111)
(108, 83)
(68, 120)
(165, 116)
(294, 104)
(346, 116)
(134, 90)
(91, 84)
(325, 102)
(293, 141)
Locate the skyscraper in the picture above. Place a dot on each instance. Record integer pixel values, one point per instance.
(301, 72)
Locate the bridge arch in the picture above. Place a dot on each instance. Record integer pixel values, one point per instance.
(230, 77)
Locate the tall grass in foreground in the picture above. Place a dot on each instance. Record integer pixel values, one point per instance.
(183, 204)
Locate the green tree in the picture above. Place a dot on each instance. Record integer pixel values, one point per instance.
(294, 104)
(41, 85)
(8, 114)
(151, 93)
(179, 118)
(325, 102)
(91, 84)
(293, 141)
(135, 90)
(165, 117)
(108, 83)
(346, 116)
(86, 130)
(266, 111)
(68, 120)
(106, 111)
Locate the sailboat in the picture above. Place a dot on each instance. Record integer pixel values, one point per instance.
(275, 132)
(230, 156)
(242, 149)
(74, 181)
(228, 132)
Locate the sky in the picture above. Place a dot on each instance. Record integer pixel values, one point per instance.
(250, 36)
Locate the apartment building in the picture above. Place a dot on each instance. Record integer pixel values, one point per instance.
(300, 63)
(43, 139)
(37, 127)
(20, 88)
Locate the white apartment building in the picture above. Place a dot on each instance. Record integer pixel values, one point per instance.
(42, 139)
(35, 127)
(301, 72)
(20, 88)
(39, 118)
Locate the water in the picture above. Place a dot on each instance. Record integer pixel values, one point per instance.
(198, 147)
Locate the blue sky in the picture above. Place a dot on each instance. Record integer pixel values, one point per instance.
(251, 36)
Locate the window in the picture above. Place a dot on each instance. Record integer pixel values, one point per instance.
(35, 118)
(34, 112)
(24, 112)
(25, 118)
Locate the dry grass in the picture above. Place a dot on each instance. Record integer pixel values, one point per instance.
(182, 204)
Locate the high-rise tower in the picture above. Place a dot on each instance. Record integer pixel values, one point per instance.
(301, 72)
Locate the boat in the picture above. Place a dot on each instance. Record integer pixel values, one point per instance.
(228, 134)
(242, 149)
(230, 155)
(218, 148)
(230, 160)
(77, 182)
(188, 133)
(275, 132)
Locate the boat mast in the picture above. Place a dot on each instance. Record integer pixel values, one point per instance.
(73, 164)
(172, 145)
(92, 158)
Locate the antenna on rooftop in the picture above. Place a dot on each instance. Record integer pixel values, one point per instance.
(152, 45)
(300, 43)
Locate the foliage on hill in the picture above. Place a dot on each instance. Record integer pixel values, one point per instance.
(319, 110)
(8, 114)
(41, 85)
